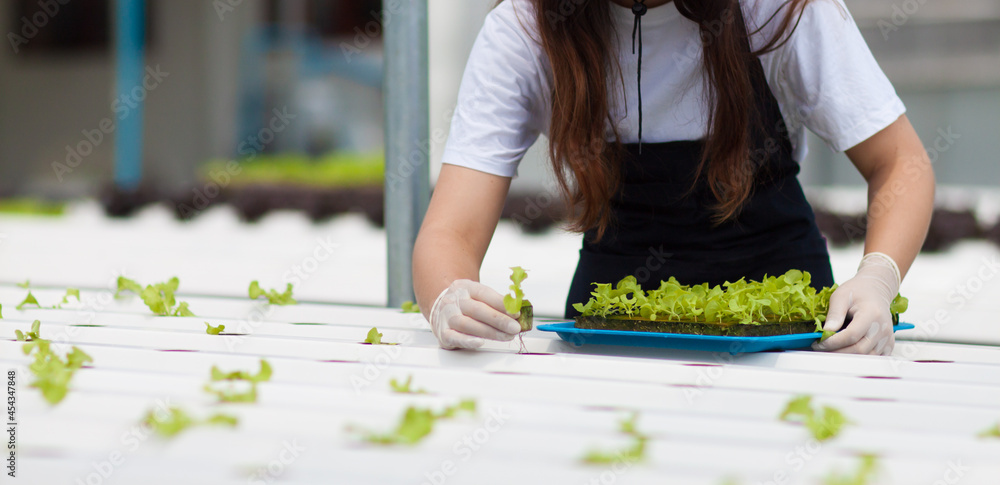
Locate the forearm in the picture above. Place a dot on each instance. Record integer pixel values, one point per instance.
(900, 204)
(440, 257)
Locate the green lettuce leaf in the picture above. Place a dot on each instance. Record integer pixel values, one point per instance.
(375, 338)
(823, 425)
(416, 424)
(993, 432)
(512, 301)
(633, 453)
(227, 387)
(28, 300)
(177, 420)
(52, 373)
(404, 387)
(865, 474)
(158, 297)
(786, 298)
(273, 297)
(71, 292)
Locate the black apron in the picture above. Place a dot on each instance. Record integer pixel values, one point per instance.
(660, 227)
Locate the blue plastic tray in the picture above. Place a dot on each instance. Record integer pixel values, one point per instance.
(710, 343)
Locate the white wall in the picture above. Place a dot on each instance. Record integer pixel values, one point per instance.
(454, 25)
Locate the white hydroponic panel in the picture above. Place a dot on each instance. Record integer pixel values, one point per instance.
(709, 417)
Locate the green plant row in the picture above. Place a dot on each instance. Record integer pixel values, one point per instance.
(335, 170)
(785, 298)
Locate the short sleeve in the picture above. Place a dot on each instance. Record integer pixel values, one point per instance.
(500, 109)
(826, 78)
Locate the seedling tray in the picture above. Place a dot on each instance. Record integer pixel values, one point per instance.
(709, 343)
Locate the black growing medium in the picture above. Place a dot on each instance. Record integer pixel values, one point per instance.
(695, 328)
(593, 322)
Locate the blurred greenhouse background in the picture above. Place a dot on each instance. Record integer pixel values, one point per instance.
(230, 66)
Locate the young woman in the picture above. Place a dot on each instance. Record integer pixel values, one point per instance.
(675, 127)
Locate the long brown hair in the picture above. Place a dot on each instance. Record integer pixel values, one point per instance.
(579, 47)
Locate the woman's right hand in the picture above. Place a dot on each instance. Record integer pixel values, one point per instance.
(467, 312)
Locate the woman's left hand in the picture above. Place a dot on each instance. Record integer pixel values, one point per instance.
(865, 300)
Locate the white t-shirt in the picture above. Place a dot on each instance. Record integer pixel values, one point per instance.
(824, 78)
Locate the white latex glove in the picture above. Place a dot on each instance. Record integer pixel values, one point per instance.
(864, 300)
(467, 312)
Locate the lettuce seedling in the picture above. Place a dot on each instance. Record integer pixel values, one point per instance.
(26, 284)
(262, 375)
(404, 387)
(823, 425)
(178, 420)
(417, 424)
(71, 292)
(865, 474)
(214, 330)
(125, 284)
(158, 297)
(52, 373)
(633, 453)
(33, 334)
(1, 311)
(375, 338)
(28, 300)
(410, 307)
(228, 393)
(515, 304)
(993, 432)
(273, 297)
(466, 405)
(512, 301)
(899, 304)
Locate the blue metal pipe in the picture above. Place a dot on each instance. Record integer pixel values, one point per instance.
(130, 23)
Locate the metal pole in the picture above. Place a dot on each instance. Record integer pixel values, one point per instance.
(130, 22)
(407, 133)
